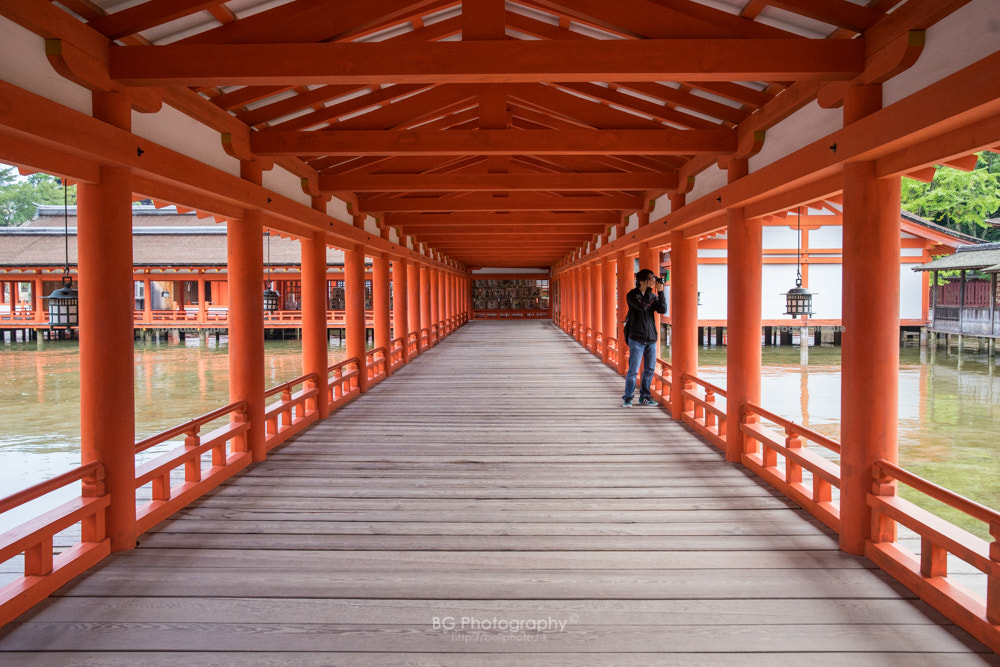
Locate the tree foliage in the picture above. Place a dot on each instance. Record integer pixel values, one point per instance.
(18, 196)
(959, 200)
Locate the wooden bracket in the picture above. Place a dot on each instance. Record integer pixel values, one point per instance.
(91, 72)
(898, 56)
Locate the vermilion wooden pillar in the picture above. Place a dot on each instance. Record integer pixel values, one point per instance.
(649, 258)
(580, 314)
(870, 348)
(400, 304)
(425, 297)
(380, 304)
(596, 298)
(107, 394)
(245, 249)
(586, 297)
(315, 302)
(683, 316)
(437, 298)
(413, 298)
(743, 319)
(354, 302)
(626, 281)
(609, 325)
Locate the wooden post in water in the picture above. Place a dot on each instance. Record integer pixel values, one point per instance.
(870, 359)
(107, 393)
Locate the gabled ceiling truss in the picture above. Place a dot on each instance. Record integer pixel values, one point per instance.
(498, 133)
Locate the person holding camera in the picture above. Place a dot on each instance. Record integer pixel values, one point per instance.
(643, 303)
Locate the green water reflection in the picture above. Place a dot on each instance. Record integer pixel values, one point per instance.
(948, 416)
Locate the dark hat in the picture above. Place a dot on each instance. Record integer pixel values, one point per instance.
(644, 274)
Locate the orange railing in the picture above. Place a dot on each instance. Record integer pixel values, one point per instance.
(292, 412)
(413, 343)
(700, 411)
(208, 460)
(396, 357)
(926, 574)
(32, 540)
(661, 385)
(764, 447)
(376, 365)
(343, 384)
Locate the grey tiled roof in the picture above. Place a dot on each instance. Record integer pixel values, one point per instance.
(984, 257)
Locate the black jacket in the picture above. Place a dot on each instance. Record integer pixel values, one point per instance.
(641, 310)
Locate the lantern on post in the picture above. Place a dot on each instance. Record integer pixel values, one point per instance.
(64, 302)
(271, 297)
(798, 300)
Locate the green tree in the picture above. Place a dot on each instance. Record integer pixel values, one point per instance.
(959, 200)
(18, 195)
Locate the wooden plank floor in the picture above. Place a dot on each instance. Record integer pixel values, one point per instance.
(491, 503)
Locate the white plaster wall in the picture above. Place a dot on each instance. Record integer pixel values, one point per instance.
(827, 237)
(712, 252)
(707, 182)
(911, 287)
(826, 282)
(286, 183)
(911, 252)
(338, 209)
(776, 279)
(779, 238)
(712, 283)
(803, 127)
(176, 131)
(23, 63)
(964, 37)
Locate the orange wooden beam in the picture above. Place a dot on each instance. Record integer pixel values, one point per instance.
(518, 201)
(487, 62)
(495, 142)
(482, 218)
(491, 182)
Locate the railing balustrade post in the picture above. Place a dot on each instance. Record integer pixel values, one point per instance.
(793, 471)
(287, 412)
(710, 417)
(38, 558)
(192, 468)
(993, 580)
(93, 528)
(883, 528)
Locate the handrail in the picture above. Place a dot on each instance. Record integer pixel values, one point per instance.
(939, 493)
(44, 571)
(705, 417)
(48, 486)
(295, 411)
(143, 445)
(789, 425)
(291, 383)
(927, 574)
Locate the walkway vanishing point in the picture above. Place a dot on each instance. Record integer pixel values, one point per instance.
(492, 482)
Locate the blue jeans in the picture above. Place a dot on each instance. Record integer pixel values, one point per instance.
(637, 353)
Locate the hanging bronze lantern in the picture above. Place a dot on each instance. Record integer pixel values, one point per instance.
(798, 300)
(271, 298)
(64, 302)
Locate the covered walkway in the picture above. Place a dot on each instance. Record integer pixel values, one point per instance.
(488, 502)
